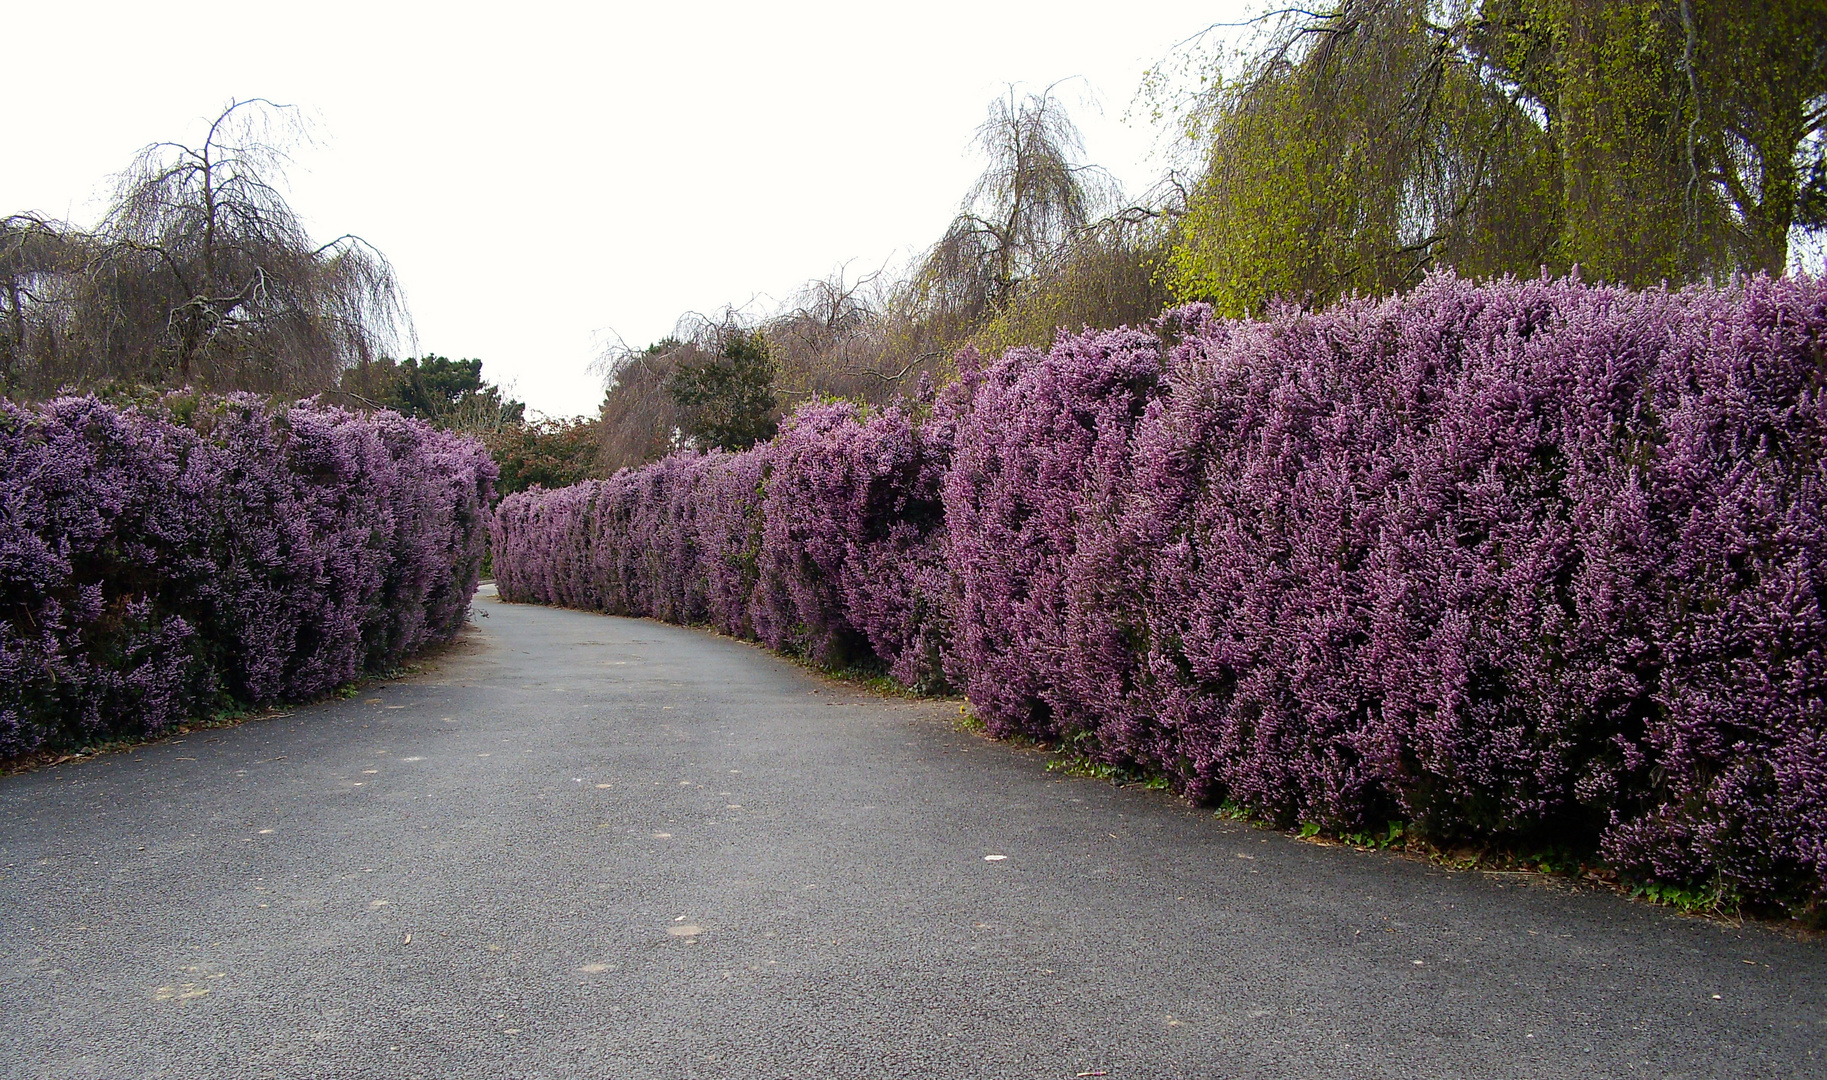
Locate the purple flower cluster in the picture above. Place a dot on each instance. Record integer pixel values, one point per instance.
(851, 561)
(1530, 561)
(156, 562)
(1046, 611)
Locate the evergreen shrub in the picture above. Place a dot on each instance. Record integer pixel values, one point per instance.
(160, 562)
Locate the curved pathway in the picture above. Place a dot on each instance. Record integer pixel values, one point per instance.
(592, 847)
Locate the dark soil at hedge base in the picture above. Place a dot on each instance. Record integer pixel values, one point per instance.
(479, 906)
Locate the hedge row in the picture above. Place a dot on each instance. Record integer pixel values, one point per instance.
(1525, 562)
(825, 542)
(157, 564)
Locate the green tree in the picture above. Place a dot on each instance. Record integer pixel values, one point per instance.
(551, 453)
(1756, 77)
(725, 394)
(449, 393)
(1643, 141)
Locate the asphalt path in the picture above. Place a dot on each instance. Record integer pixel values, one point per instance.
(581, 846)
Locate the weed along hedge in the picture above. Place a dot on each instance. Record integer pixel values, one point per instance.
(1532, 563)
(160, 563)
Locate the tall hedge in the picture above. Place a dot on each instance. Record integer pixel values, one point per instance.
(158, 563)
(1529, 561)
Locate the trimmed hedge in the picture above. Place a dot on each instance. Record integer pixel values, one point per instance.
(158, 564)
(1530, 562)
(824, 542)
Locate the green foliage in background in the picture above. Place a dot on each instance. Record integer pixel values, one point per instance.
(1368, 143)
(436, 388)
(550, 453)
(726, 397)
(449, 393)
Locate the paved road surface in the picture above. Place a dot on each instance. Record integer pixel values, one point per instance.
(594, 847)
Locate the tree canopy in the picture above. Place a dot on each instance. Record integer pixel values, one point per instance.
(200, 274)
(450, 393)
(724, 389)
(552, 453)
(1364, 144)
(1034, 195)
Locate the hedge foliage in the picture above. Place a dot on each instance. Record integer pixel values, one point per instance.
(1529, 562)
(157, 563)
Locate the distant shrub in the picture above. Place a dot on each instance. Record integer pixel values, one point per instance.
(1528, 562)
(156, 562)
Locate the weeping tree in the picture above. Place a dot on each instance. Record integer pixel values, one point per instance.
(38, 261)
(834, 337)
(638, 420)
(1107, 274)
(1042, 241)
(1034, 197)
(1755, 141)
(202, 274)
(1359, 148)
(1689, 133)
(1361, 145)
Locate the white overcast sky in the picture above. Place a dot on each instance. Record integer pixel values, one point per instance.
(545, 175)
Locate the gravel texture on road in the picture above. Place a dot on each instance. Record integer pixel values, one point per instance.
(583, 846)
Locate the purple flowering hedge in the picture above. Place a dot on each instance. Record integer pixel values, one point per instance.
(1535, 563)
(157, 564)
